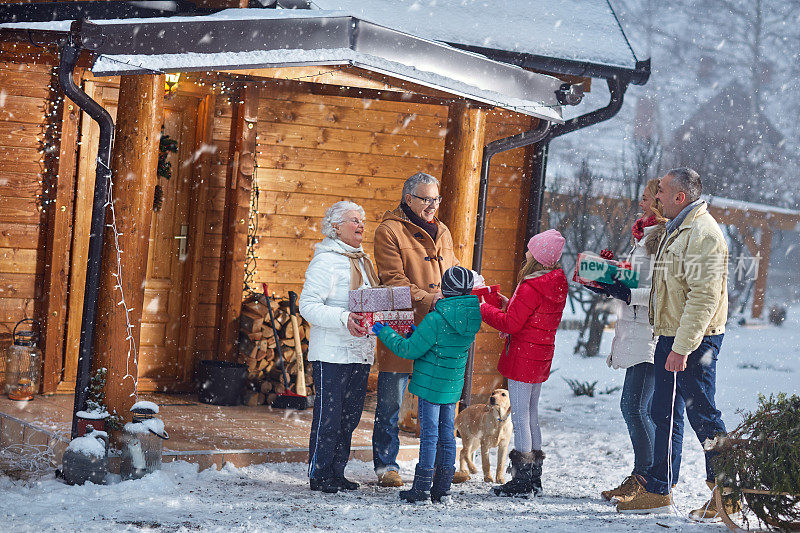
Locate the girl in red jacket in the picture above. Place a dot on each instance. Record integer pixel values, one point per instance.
(529, 321)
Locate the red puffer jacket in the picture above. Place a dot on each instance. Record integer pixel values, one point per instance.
(531, 320)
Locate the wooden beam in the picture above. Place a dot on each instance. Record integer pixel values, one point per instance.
(760, 287)
(239, 182)
(461, 173)
(140, 113)
(198, 199)
(57, 267)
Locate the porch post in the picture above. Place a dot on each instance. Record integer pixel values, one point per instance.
(760, 286)
(134, 161)
(239, 182)
(461, 172)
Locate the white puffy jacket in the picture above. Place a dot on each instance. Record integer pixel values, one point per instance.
(633, 336)
(323, 303)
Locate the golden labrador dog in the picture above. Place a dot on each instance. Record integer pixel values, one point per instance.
(487, 425)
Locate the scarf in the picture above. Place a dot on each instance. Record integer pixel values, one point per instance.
(431, 228)
(640, 224)
(673, 224)
(356, 255)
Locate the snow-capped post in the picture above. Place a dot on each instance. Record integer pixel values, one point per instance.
(239, 182)
(760, 285)
(461, 172)
(127, 233)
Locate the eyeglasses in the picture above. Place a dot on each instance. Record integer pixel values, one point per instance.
(429, 201)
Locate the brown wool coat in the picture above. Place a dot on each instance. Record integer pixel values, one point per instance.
(406, 255)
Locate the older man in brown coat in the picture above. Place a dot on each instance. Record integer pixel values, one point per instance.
(412, 248)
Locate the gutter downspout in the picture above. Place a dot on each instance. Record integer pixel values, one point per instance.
(490, 150)
(70, 51)
(541, 135)
(616, 87)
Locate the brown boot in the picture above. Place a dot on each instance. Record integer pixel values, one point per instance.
(390, 478)
(626, 491)
(645, 503)
(709, 511)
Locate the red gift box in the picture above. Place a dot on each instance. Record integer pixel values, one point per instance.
(489, 293)
(400, 321)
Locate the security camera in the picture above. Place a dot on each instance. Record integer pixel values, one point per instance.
(569, 94)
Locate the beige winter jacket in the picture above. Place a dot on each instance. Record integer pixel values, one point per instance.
(689, 295)
(406, 255)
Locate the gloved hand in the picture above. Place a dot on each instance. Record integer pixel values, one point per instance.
(606, 253)
(377, 327)
(602, 291)
(619, 291)
(413, 329)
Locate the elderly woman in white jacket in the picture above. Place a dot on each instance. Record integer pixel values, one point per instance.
(634, 344)
(339, 350)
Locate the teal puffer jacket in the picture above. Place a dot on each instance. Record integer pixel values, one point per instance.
(439, 348)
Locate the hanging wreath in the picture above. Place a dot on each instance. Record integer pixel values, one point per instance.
(166, 145)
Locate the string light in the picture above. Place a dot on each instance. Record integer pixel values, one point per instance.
(132, 354)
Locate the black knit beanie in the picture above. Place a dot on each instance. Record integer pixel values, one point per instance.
(457, 281)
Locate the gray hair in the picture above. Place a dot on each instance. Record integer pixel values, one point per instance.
(335, 215)
(688, 181)
(420, 178)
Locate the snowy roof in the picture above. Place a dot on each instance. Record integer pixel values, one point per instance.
(574, 30)
(266, 38)
(727, 203)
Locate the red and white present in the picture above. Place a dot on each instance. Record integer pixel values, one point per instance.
(400, 321)
(379, 299)
(592, 270)
(488, 293)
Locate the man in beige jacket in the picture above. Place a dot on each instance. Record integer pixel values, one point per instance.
(688, 310)
(412, 248)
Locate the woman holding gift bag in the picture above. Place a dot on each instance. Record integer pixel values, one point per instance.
(339, 350)
(529, 322)
(634, 344)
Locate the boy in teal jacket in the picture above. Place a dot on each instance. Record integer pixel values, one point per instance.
(439, 348)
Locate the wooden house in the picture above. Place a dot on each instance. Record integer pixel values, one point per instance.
(305, 121)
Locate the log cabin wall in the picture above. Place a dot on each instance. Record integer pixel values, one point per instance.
(26, 100)
(314, 150)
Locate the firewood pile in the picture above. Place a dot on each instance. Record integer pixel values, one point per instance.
(258, 350)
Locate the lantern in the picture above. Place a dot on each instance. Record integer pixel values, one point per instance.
(23, 363)
(142, 442)
(170, 83)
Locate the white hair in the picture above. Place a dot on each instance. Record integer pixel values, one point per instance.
(420, 178)
(335, 215)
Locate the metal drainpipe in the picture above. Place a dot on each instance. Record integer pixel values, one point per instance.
(70, 51)
(490, 150)
(616, 87)
(541, 135)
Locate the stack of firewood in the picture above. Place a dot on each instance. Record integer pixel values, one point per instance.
(258, 350)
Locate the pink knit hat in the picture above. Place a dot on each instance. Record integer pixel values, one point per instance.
(546, 247)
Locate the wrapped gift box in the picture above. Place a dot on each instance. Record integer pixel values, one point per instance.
(488, 293)
(379, 299)
(591, 270)
(400, 321)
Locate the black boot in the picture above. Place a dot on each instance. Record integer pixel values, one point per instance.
(328, 485)
(420, 490)
(441, 483)
(345, 484)
(522, 475)
(536, 471)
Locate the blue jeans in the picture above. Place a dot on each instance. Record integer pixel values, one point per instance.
(385, 435)
(637, 396)
(695, 394)
(437, 424)
(341, 389)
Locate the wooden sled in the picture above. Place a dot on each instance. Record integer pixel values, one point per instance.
(726, 519)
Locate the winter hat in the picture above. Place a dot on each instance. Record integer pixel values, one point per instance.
(546, 247)
(457, 281)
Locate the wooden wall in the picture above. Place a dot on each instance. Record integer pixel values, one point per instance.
(25, 100)
(315, 150)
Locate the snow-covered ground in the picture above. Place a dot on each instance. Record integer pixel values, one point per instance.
(585, 440)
